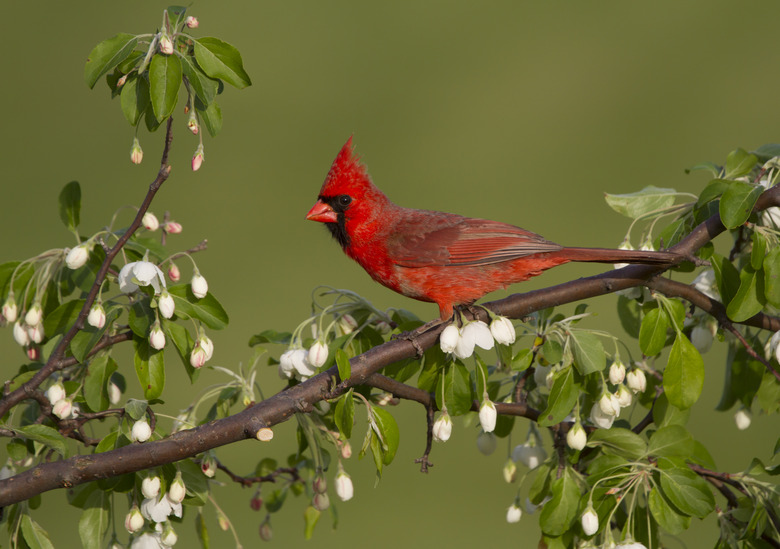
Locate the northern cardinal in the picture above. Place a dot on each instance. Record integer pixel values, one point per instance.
(439, 257)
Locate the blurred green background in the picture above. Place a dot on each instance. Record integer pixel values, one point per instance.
(524, 112)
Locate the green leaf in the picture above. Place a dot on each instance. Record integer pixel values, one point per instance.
(388, 431)
(772, 277)
(563, 395)
(164, 81)
(219, 59)
(63, 317)
(207, 309)
(522, 360)
(183, 343)
(628, 312)
(637, 204)
(134, 98)
(344, 415)
(310, 516)
(45, 435)
(737, 203)
(35, 536)
(70, 205)
(739, 163)
(684, 373)
(712, 191)
(211, 117)
(665, 414)
(94, 521)
(454, 387)
(141, 318)
(269, 336)
(552, 351)
(758, 251)
(202, 530)
(150, 368)
(96, 382)
(749, 299)
(687, 491)
(559, 513)
(726, 277)
(652, 332)
(107, 55)
(205, 88)
(665, 515)
(342, 361)
(618, 441)
(135, 408)
(588, 352)
(768, 394)
(671, 441)
(195, 481)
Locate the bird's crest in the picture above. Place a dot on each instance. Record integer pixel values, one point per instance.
(347, 175)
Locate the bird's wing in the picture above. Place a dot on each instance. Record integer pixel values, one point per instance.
(433, 239)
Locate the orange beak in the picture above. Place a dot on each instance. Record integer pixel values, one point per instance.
(322, 212)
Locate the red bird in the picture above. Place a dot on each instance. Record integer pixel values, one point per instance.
(439, 257)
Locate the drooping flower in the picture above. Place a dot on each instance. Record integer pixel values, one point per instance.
(141, 431)
(509, 471)
(636, 380)
(590, 521)
(617, 372)
(625, 245)
(705, 282)
(318, 354)
(156, 336)
(134, 520)
(199, 285)
(530, 455)
(624, 396)
(742, 418)
(448, 338)
(577, 438)
(158, 509)
(177, 490)
(486, 443)
(609, 404)
(503, 330)
(442, 427)
(10, 309)
(20, 334)
(136, 153)
(168, 536)
(35, 332)
(166, 305)
(513, 514)
(150, 222)
(344, 488)
(140, 273)
(488, 415)
(63, 408)
(34, 314)
(150, 486)
(77, 256)
(166, 44)
(296, 361)
(97, 316)
(320, 502)
(198, 158)
(599, 418)
(55, 393)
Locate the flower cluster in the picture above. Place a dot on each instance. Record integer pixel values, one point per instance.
(462, 341)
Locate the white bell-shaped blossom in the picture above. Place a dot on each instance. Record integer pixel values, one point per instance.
(599, 418)
(442, 427)
(742, 418)
(513, 514)
(609, 404)
(199, 285)
(10, 309)
(177, 491)
(318, 354)
(34, 314)
(590, 521)
(617, 372)
(344, 488)
(158, 509)
(97, 316)
(488, 415)
(63, 409)
(141, 431)
(530, 455)
(20, 334)
(448, 338)
(577, 438)
(296, 361)
(636, 380)
(150, 486)
(35, 332)
(77, 257)
(168, 536)
(134, 520)
(55, 393)
(503, 330)
(624, 396)
(140, 273)
(166, 305)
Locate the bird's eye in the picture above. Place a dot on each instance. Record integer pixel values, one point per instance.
(344, 200)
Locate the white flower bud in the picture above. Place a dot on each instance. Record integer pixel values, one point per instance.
(166, 305)
(347, 323)
(486, 443)
(318, 354)
(136, 153)
(705, 283)
(150, 222)
(34, 315)
(9, 309)
(320, 502)
(20, 334)
(134, 521)
(617, 372)
(191, 22)
(55, 393)
(266, 533)
(577, 438)
(742, 419)
(609, 404)
(156, 337)
(35, 333)
(199, 286)
(208, 466)
(172, 227)
(174, 273)
(442, 427)
(624, 396)
(198, 158)
(166, 44)
(448, 339)
(141, 432)
(701, 338)
(774, 346)
(150, 487)
(77, 256)
(509, 471)
(177, 490)
(503, 330)
(513, 514)
(168, 536)
(114, 393)
(97, 316)
(530, 456)
(344, 488)
(63, 408)
(636, 380)
(487, 415)
(599, 418)
(590, 522)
